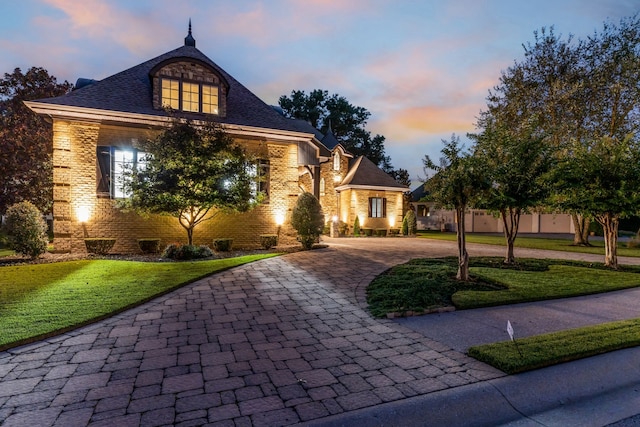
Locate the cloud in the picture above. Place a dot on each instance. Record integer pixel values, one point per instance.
(139, 31)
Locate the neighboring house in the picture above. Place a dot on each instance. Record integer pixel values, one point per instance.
(481, 221)
(96, 129)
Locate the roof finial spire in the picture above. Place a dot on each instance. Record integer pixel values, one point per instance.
(189, 40)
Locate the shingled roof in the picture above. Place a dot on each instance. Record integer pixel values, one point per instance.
(364, 173)
(130, 91)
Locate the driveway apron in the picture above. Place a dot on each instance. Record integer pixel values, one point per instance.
(276, 342)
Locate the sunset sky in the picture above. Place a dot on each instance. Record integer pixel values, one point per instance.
(422, 68)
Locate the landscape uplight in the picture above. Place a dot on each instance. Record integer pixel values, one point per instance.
(82, 213)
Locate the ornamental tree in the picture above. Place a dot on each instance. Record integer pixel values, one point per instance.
(517, 162)
(455, 183)
(191, 173)
(602, 180)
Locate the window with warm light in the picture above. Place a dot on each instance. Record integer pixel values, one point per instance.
(336, 161)
(377, 207)
(189, 96)
(322, 187)
(112, 165)
(259, 172)
(171, 94)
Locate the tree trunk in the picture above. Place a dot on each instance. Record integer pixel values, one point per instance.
(581, 233)
(463, 256)
(190, 235)
(510, 222)
(609, 224)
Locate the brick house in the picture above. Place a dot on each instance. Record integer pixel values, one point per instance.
(97, 126)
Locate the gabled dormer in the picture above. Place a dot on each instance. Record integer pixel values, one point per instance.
(189, 85)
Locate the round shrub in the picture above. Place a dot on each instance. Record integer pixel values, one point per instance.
(178, 251)
(267, 241)
(26, 229)
(308, 220)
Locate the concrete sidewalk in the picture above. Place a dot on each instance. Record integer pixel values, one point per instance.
(281, 341)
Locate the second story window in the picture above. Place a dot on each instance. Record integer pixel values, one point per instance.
(190, 96)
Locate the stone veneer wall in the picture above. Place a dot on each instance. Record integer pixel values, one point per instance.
(332, 179)
(75, 172)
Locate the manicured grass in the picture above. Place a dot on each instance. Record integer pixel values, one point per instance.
(38, 300)
(429, 283)
(534, 243)
(559, 281)
(550, 349)
(418, 285)
(424, 284)
(6, 252)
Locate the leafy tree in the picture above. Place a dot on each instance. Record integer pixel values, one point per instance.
(554, 75)
(455, 183)
(602, 180)
(517, 163)
(189, 171)
(26, 138)
(307, 218)
(346, 121)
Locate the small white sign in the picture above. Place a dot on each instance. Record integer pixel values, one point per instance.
(510, 330)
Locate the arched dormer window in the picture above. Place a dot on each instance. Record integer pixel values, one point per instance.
(189, 85)
(336, 161)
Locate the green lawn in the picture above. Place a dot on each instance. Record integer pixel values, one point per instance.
(534, 243)
(38, 300)
(430, 283)
(6, 252)
(424, 284)
(550, 349)
(559, 281)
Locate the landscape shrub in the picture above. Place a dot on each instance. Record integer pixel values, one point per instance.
(222, 245)
(149, 246)
(179, 251)
(356, 226)
(99, 245)
(26, 229)
(381, 232)
(307, 219)
(267, 241)
(405, 226)
(412, 223)
(343, 228)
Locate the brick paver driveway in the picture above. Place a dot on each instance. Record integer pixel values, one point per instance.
(276, 342)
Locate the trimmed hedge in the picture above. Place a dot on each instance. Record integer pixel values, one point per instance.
(267, 241)
(99, 245)
(222, 245)
(149, 246)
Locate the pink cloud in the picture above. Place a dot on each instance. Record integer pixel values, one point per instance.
(106, 21)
